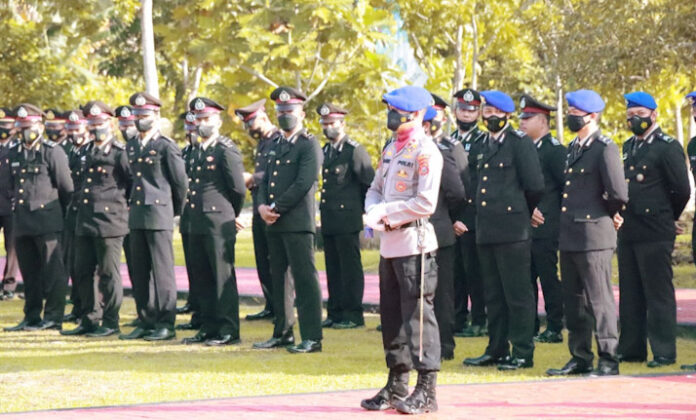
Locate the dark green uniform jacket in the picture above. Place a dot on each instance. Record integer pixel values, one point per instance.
(552, 157)
(453, 195)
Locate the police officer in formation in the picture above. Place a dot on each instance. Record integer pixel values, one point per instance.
(286, 197)
(261, 129)
(101, 223)
(7, 141)
(41, 189)
(157, 195)
(346, 175)
(595, 190)
(450, 203)
(658, 190)
(468, 280)
(399, 202)
(509, 188)
(188, 155)
(534, 121)
(691, 153)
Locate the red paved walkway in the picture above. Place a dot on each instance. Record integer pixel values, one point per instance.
(248, 285)
(664, 397)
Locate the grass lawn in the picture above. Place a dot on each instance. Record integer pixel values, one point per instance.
(41, 370)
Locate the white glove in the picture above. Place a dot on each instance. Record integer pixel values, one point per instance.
(374, 216)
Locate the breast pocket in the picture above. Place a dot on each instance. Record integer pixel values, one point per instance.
(340, 172)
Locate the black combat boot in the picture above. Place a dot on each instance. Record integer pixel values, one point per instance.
(394, 391)
(422, 400)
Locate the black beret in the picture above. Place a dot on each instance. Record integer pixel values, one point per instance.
(249, 111)
(142, 99)
(329, 112)
(530, 106)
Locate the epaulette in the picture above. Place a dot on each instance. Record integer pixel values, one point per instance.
(49, 143)
(118, 145)
(666, 138)
(307, 135)
(447, 141)
(352, 143)
(442, 145)
(162, 136)
(554, 141)
(603, 139)
(519, 133)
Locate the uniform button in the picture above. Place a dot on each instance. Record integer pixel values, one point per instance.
(92, 170)
(106, 208)
(86, 201)
(89, 179)
(647, 210)
(42, 206)
(342, 206)
(485, 165)
(137, 202)
(570, 170)
(565, 195)
(628, 180)
(277, 162)
(21, 191)
(272, 184)
(483, 190)
(326, 171)
(198, 180)
(190, 179)
(24, 171)
(623, 207)
(137, 174)
(588, 217)
(582, 170)
(645, 167)
(323, 190)
(567, 182)
(630, 168)
(470, 200)
(198, 168)
(275, 173)
(509, 208)
(156, 201)
(485, 178)
(483, 204)
(287, 161)
(193, 193)
(501, 164)
(86, 190)
(138, 188)
(257, 164)
(140, 159)
(21, 201)
(193, 206)
(323, 200)
(271, 196)
(564, 209)
(21, 180)
(213, 207)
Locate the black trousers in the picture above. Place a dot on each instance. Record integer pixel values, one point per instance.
(296, 251)
(648, 307)
(399, 308)
(263, 262)
(101, 294)
(154, 282)
(444, 298)
(468, 284)
(11, 271)
(68, 247)
(545, 269)
(589, 305)
(41, 263)
(509, 298)
(192, 300)
(215, 283)
(345, 277)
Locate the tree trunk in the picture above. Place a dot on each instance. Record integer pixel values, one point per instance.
(475, 53)
(459, 70)
(195, 85)
(148, 45)
(559, 109)
(692, 126)
(679, 126)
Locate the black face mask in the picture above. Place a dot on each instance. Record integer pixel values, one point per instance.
(206, 130)
(575, 123)
(639, 125)
(331, 133)
(495, 124)
(129, 133)
(466, 126)
(53, 135)
(435, 126)
(5, 133)
(144, 125)
(288, 122)
(396, 119)
(30, 134)
(100, 134)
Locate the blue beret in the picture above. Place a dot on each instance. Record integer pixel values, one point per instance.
(498, 99)
(692, 96)
(642, 99)
(408, 98)
(585, 100)
(430, 113)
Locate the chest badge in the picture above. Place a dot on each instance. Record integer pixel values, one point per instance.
(400, 186)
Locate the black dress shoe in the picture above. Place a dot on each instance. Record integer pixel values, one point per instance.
(630, 359)
(306, 346)
(103, 332)
(79, 330)
(328, 323)
(21, 326)
(188, 326)
(485, 360)
(573, 367)
(472, 331)
(605, 370)
(70, 318)
(346, 325)
(133, 323)
(265, 314)
(44, 325)
(223, 340)
(688, 367)
(138, 332)
(273, 342)
(549, 337)
(199, 338)
(186, 309)
(446, 355)
(160, 334)
(516, 363)
(661, 361)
